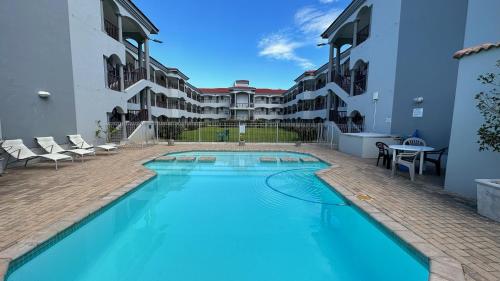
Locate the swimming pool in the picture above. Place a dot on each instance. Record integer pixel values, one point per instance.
(235, 219)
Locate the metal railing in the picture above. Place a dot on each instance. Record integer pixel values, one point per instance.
(111, 29)
(131, 76)
(113, 80)
(254, 132)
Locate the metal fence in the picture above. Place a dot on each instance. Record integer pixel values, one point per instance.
(250, 132)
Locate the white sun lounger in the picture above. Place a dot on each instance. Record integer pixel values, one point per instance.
(79, 142)
(17, 150)
(50, 146)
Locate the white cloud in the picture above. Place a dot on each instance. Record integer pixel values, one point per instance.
(280, 47)
(310, 22)
(314, 21)
(327, 1)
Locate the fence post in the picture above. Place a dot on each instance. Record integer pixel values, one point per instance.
(157, 133)
(277, 132)
(199, 132)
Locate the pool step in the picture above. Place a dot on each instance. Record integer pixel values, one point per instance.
(289, 159)
(309, 160)
(268, 159)
(186, 159)
(165, 158)
(206, 159)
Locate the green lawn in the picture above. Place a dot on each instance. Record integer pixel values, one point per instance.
(215, 134)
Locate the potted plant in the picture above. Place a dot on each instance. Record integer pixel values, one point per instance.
(488, 103)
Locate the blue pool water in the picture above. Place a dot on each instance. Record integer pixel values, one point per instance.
(236, 219)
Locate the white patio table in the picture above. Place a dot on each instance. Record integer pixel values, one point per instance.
(412, 148)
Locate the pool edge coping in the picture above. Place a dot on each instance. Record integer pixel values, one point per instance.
(441, 266)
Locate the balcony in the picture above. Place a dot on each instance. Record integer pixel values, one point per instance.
(111, 29)
(242, 105)
(132, 76)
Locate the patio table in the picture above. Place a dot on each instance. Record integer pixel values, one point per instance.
(412, 148)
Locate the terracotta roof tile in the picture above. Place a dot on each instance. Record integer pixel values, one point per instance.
(476, 49)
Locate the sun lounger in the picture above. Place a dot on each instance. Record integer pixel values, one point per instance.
(79, 142)
(50, 146)
(17, 150)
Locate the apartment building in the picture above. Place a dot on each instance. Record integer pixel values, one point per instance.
(390, 64)
(89, 62)
(242, 102)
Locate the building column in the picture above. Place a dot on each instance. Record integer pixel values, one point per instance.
(124, 126)
(148, 103)
(355, 34)
(139, 54)
(147, 58)
(330, 64)
(353, 72)
(103, 28)
(328, 102)
(122, 78)
(337, 60)
(120, 27)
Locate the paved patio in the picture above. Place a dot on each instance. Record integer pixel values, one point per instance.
(38, 200)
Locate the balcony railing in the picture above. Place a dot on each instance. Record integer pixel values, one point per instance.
(111, 29)
(359, 86)
(344, 82)
(132, 76)
(113, 80)
(137, 115)
(242, 105)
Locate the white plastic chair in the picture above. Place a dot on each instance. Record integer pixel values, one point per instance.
(406, 159)
(414, 141)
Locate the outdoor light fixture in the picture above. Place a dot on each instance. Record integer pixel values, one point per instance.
(43, 94)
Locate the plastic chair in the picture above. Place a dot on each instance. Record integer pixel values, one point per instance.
(436, 161)
(383, 152)
(414, 141)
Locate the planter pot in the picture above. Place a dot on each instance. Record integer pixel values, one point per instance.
(241, 143)
(298, 143)
(488, 198)
(170, 142)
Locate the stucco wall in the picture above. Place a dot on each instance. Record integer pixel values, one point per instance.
(36, 55)
(89, 46)
(380, 51)
(465, 162)
(430, 32)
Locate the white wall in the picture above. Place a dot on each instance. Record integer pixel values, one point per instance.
(465, 161)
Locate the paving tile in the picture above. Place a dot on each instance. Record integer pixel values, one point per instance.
(38, 201)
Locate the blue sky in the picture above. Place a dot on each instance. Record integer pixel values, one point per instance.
(269, 42)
